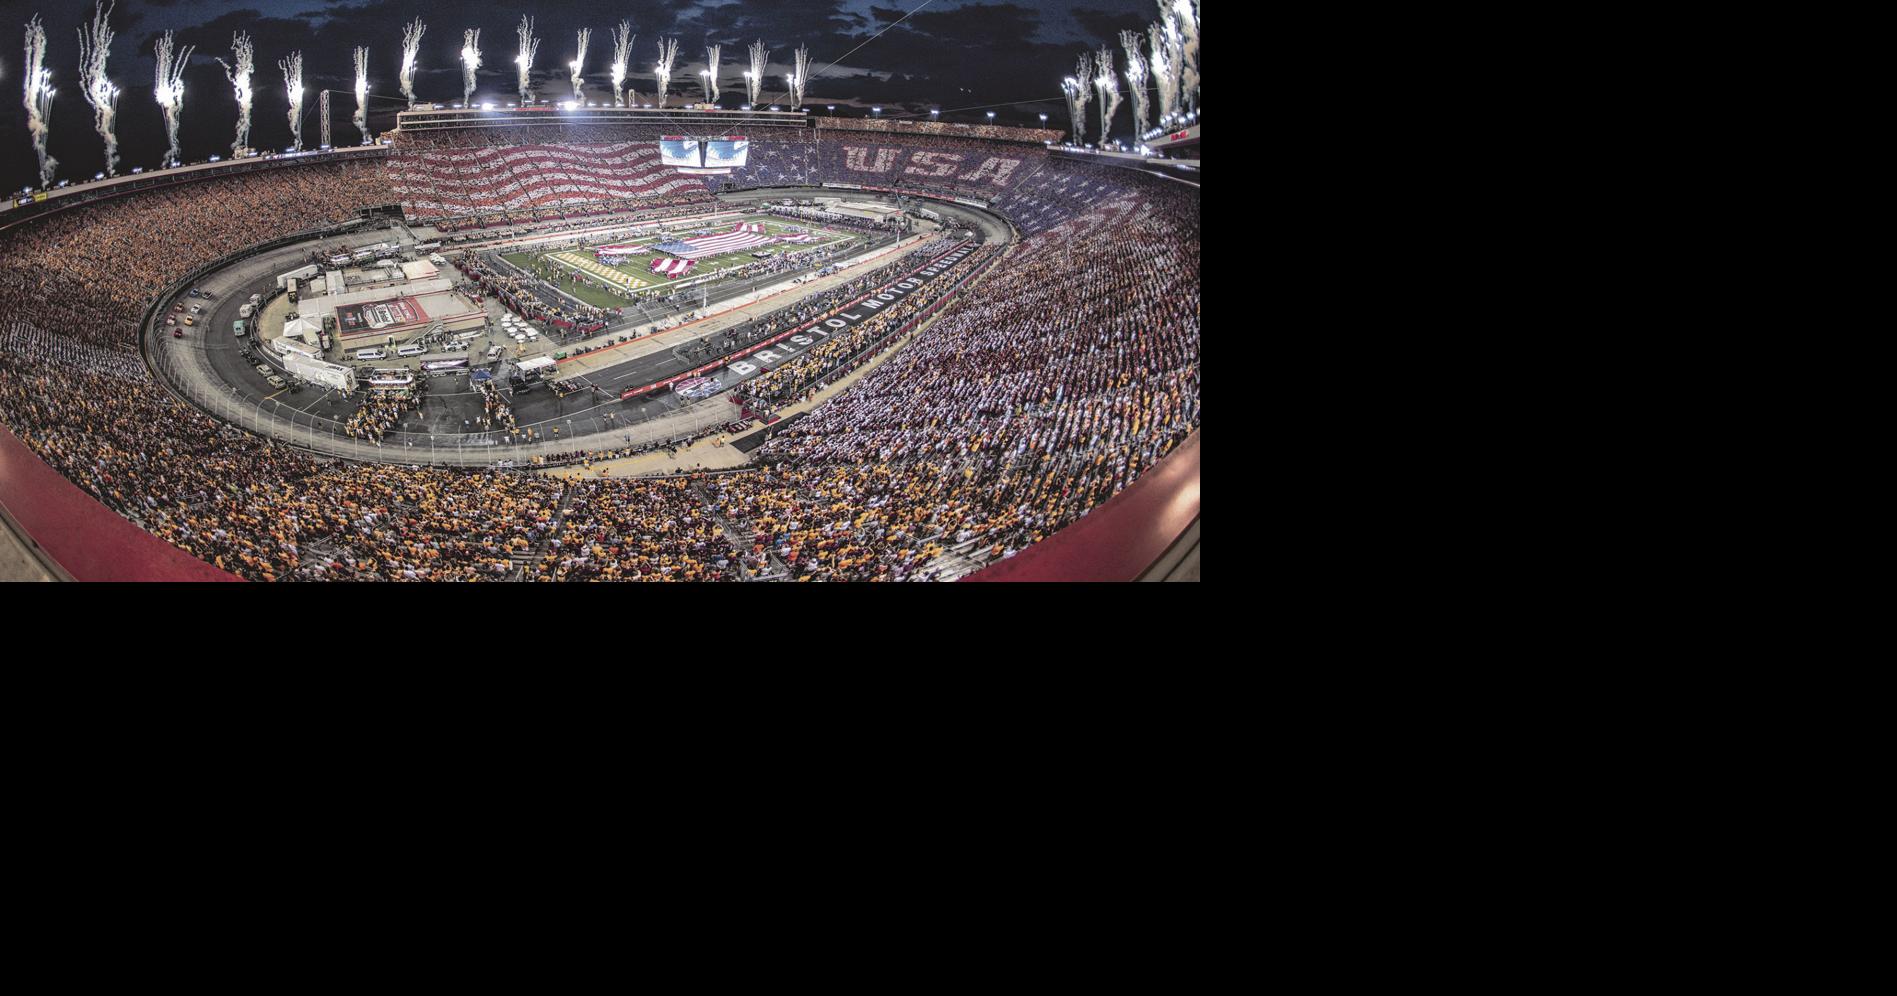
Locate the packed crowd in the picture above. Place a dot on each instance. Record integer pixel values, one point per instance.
(91, 271)
(830, 218)
(1032, 399)
(840, 353)
(645, 531)
(1008, 418)
(381, 411)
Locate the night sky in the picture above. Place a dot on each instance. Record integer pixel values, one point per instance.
(949, 54)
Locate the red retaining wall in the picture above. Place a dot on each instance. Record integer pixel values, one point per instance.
(1123, 537)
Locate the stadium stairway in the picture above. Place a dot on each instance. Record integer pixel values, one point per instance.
(739, 541)
(958, 560)
(525, 560)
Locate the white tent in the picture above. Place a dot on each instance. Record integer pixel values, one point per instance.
(305, 328)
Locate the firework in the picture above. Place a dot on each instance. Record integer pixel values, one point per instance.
(39, 98)
(529, 48)
(411, 47)
(95, 44)
(622, 54)
(1079, 93)
(293, 85)
(799, 78)
(710, 75)
(668, 54)
(1136, 82)
(579, 63)
(1109, 86)
(754, 80)
(245, 55)
(362, 92)
(170, 91)
(470, 61)
(1186, 13)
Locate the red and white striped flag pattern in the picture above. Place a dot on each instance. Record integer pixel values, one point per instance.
(743, 236)
(436, 182)
(672, 267)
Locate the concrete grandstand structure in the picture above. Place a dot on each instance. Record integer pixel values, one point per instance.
(1007, 392)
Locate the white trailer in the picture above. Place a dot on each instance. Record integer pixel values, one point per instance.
(301, 273)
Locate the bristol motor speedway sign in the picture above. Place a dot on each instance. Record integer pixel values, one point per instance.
(781, 349)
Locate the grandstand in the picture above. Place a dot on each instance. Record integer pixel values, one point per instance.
(1002, 386)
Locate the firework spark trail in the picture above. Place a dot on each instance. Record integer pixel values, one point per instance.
(1136, 83)
(1079, 95)
(470, 61)
(170, 91)
(529, 48)
(799, 78)
(1109, 87)
(39, 98)
(579, 64)
(245, 54)
(411, 48)
(1186, 12)
(293, 85)
(710, 75)
(95, 44)
(362, 92)
(1165, 41)
(622, 54)
(754, 80)
(668, 54)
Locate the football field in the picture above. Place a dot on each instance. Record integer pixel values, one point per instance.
(612, 285)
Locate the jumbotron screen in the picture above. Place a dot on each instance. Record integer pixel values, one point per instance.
(676, 150)
(704, 155)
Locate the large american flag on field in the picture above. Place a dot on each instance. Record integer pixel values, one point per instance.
(437, 182)
(743, 236)
(672, 267)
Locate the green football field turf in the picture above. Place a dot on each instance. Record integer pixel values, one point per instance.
(635, 274)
